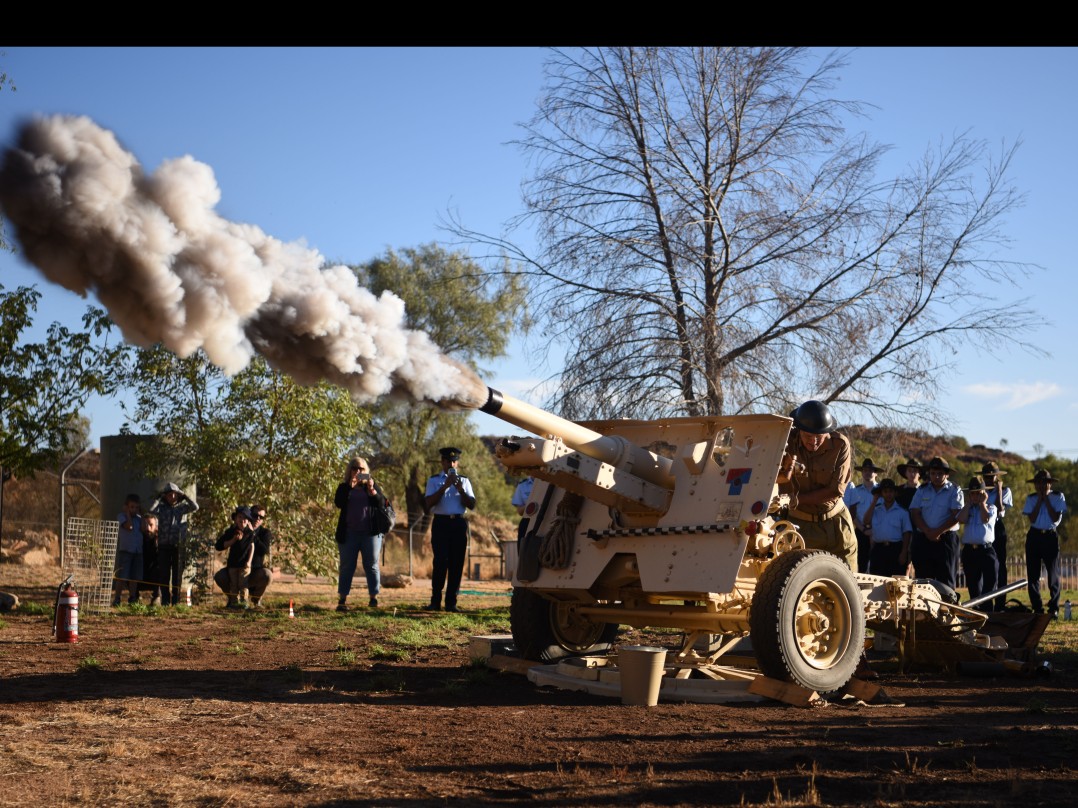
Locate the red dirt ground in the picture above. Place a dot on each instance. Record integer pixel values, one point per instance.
(206, 707)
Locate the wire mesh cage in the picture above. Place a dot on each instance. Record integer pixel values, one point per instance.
(90, 558)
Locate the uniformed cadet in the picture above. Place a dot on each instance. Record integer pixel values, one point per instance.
(934, 511)
(858, 498)
(448, 496)
(891, 531)
(978, 520)
(1000, 496)
(520, 499)
(1045, 509)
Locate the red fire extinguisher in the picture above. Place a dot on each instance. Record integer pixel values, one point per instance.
(65, 626)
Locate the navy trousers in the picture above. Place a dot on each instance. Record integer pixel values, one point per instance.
(936, 559)
(449, 541)
(979, 564)
(1042, 547)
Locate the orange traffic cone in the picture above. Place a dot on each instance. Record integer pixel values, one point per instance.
(291, 611)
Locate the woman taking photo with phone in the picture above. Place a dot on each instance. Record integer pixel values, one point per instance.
(357, 496)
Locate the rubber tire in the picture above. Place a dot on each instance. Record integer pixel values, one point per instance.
(540, 632)
(790, 595)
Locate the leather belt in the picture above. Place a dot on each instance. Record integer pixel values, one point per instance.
(972, 546)
(818, 517)
(886, 541)
(448, 516)
(1043, 531)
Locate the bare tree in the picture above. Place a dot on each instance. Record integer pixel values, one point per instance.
(712, 239)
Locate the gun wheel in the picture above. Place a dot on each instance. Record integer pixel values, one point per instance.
(548, 630)
(807, 620)
(787, 538)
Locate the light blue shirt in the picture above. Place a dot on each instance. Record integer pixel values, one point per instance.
(1008, 498)
(857, 499)
(938, 507)
(1044, 520)
(976, 531)
(129, 541)
(522, 492)
(450, 504)
(888, 524)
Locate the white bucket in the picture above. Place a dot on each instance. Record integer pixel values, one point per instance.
(641, 668)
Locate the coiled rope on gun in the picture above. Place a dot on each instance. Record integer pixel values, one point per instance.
(557, 544)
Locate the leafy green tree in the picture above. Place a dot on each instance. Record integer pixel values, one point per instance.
(44, 386)
(255, 437)
(470, 314)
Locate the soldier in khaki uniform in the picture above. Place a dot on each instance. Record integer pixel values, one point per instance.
(815, 471)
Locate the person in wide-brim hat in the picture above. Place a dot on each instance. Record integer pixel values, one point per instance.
(911, 463)
(868, 465)
(938, 464)
(886, 484)
(1042, 476)
(991, 469)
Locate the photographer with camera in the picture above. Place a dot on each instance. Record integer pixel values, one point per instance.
(357, 496)
(448, 496)
(239, 540)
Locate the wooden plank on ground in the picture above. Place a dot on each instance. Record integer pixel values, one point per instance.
(512, 664)
(786, 692)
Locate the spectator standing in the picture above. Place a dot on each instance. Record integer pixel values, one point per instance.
(172, 507)
(934, 512)
(858, 498)
(815, 471)
(357, 496)
(449, 496)
(151, 575)
(891, 531)
(128, 551)
(1000, 496)
(978, 520)
(1045, 509)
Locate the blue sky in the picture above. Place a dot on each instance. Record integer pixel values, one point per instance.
(353, 151)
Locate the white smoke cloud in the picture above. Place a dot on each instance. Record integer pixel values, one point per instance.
(1016, 394)
(169, 269)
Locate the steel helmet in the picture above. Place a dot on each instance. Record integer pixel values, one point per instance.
(813, 417)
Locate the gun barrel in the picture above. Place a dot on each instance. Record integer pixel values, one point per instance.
(995, 593)
(612, 449)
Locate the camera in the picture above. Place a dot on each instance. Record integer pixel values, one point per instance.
(363, 477)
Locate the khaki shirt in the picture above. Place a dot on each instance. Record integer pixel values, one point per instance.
(828, 468)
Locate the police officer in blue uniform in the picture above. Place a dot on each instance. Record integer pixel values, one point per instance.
(448, 496)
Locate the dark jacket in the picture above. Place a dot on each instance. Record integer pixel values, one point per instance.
(237, 552)
(340, 499)
(263, 540)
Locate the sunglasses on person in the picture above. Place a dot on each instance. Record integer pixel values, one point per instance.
(258, 517)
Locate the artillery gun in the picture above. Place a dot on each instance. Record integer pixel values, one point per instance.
(678, 523)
